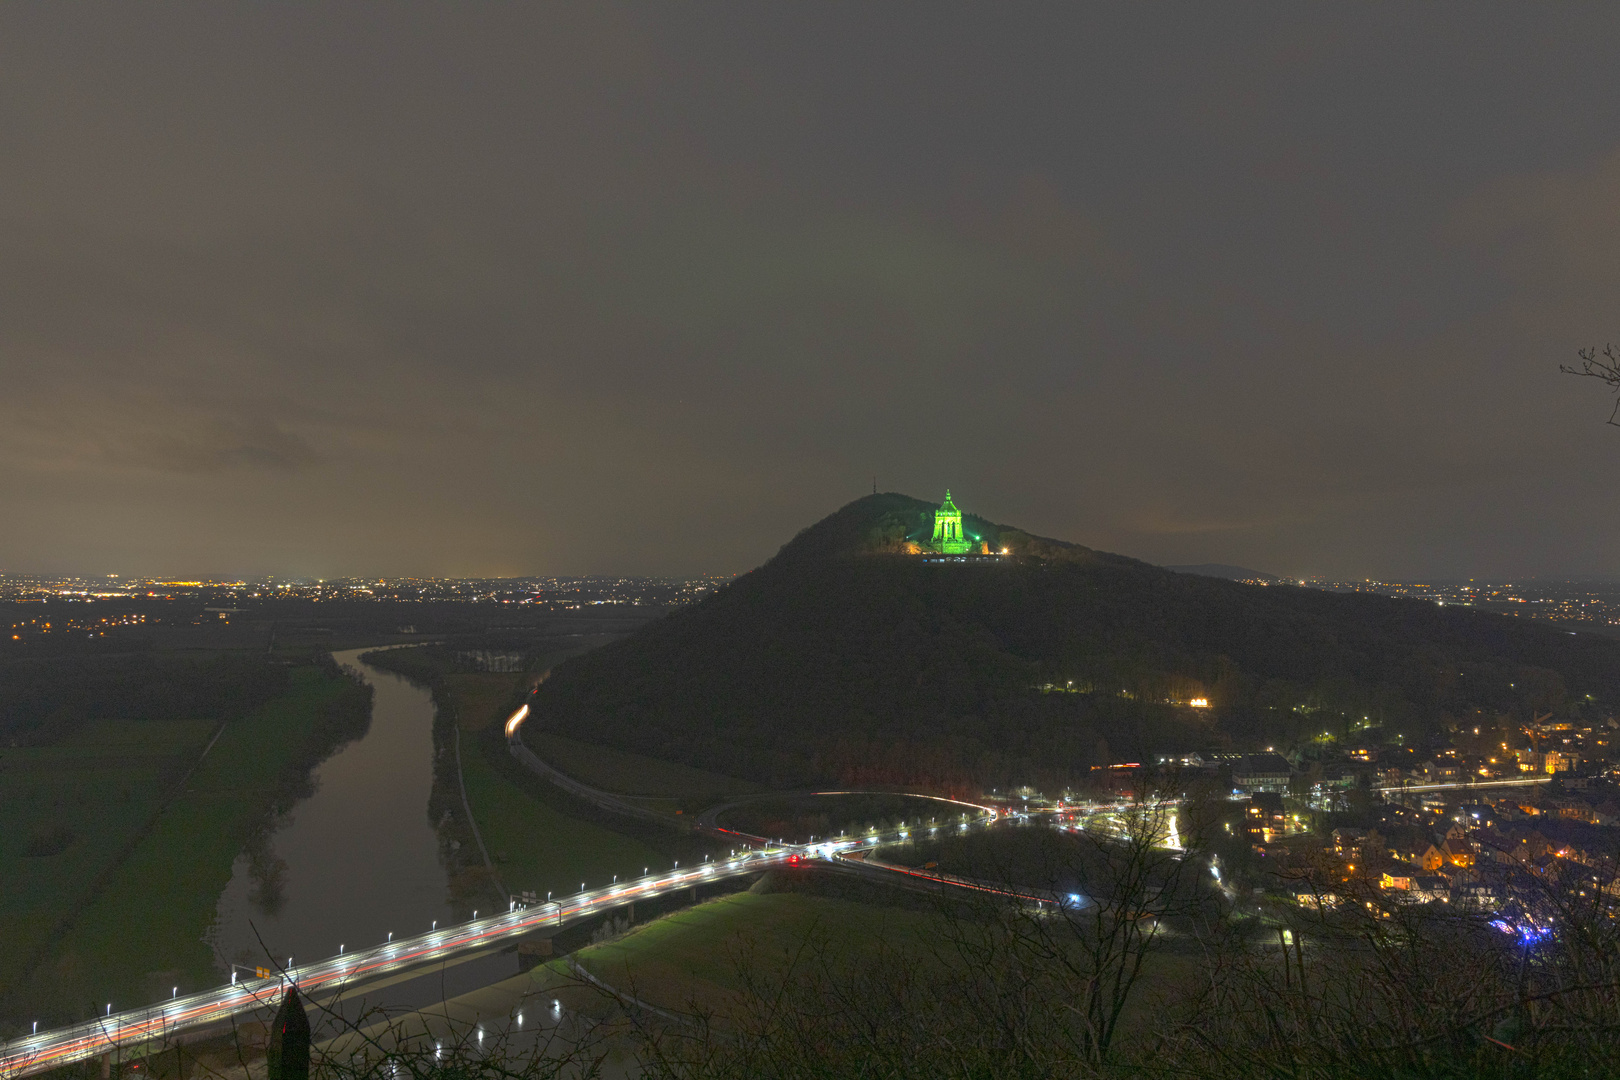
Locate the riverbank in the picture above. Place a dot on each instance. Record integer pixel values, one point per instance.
(538, 838)
(139, 930)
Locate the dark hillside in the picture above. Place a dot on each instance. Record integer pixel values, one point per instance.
(843, 660)
(1223, 570)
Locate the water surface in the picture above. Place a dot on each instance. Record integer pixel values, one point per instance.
(357, 859)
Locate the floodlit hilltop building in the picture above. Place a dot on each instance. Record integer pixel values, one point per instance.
(949, 539)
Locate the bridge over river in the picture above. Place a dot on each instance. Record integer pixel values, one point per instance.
(142, 1031)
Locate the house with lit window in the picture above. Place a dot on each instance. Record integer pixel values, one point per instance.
(1264, 818)
(1457, 852)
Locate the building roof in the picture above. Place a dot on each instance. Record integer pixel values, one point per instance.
(1264, 764)
(1268, 800)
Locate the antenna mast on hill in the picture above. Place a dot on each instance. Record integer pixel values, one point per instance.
(874, 485)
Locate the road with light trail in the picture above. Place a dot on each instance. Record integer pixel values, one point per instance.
(136, 1032)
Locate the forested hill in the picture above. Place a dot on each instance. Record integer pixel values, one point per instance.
(845, 659)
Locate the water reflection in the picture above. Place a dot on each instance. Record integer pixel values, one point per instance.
(354, 861)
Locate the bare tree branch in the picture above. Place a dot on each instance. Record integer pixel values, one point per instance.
(1605, 368)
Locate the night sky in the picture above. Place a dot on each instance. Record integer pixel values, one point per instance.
(476, 289)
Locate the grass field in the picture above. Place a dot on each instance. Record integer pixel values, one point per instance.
(143, 932)
(536, 847)
(699, 960)
(91, 794)
(481, 698)
(695, 956)
(632, 774)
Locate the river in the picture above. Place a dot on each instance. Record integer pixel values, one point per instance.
(356, 860)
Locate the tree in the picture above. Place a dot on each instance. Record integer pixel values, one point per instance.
(1605, 368)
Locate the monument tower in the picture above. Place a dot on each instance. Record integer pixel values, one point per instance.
(948, 536)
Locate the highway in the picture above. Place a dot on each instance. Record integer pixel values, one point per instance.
(137, 1032)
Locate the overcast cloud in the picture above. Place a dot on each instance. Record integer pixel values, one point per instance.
(647, 288)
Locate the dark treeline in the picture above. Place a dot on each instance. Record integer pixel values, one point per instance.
(45, 699)
(838, 660)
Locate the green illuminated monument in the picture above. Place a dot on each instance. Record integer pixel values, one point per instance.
(948, 536)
